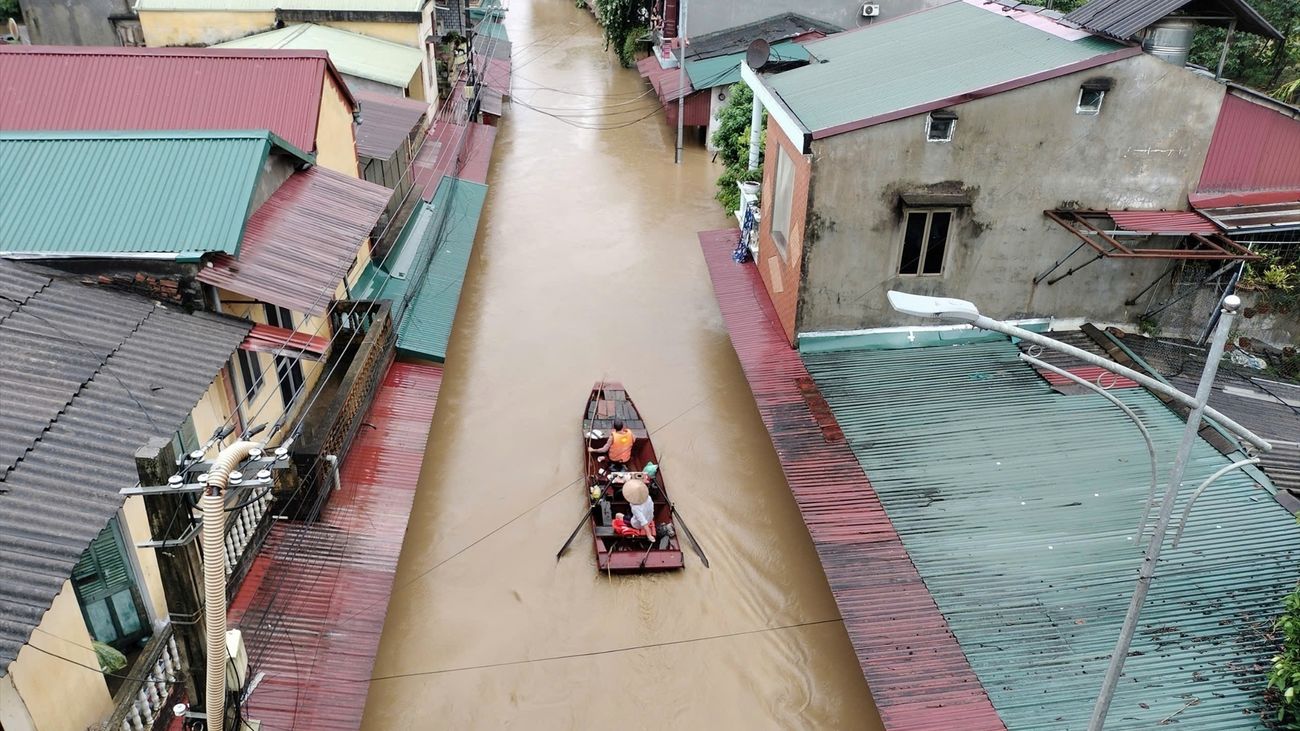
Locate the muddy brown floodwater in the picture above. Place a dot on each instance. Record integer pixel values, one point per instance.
(587, 268)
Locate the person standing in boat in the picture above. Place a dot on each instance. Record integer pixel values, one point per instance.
(618, 446)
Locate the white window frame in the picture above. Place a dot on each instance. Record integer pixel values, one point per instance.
(925, 241)
(783, 163)
(1079, 108)
(952, 128)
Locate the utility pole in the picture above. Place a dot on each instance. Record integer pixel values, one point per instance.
(1230, 305)
(681, 78)
(178, 560)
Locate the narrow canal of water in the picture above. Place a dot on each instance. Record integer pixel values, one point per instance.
(587, 268)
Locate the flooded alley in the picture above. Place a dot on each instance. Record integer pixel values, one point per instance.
(586, 268)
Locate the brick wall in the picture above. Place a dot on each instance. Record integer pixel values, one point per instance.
(782, 273)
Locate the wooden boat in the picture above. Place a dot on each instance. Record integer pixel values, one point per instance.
(609, 401)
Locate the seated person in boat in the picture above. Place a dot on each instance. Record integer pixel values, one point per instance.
(637, 495)
(621, 527)
(618, 446)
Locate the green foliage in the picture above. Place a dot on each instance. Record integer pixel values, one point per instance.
(9, 9)
(1254, 61)
(1284, 678)
(110, 660)
(623, 19)
(636, 39)
(732, 141)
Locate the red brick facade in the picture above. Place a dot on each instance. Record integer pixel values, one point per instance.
(782, 273)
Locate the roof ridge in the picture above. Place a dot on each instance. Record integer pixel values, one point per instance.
(284, 54)
(146, 135)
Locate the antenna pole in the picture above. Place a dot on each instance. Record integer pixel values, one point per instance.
(681, 79)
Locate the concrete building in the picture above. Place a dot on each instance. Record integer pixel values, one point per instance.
(85, 383)
(922, 154)
(81, 23)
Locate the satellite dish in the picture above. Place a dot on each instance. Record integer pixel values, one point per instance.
(757, 54)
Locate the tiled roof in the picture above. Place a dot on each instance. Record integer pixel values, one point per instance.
(87, 376)
(68, 88)
(107, 194)
(387, 121)
(302, 240)
(926, 60)
(1019, 506)
(354, 54)
(425, 314)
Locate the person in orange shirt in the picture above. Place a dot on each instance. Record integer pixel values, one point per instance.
(618, 446)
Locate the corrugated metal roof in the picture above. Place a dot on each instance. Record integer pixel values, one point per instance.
(492, 47)
(1256, 214)
(1018, 506)
(782, 27)
(725, 70)
(302, 240)
(449, 223)
(1164, 222)
(313, 605)
(918, 675)
(1253, 148)
(87, 376)
(1123, 19)
(352, 53)
(914, 63)
(266, 6)
(127, 193)
(495, 73)
(492, 29)
(67, 88)
(386, 123)
(477, 158)
(271, 339)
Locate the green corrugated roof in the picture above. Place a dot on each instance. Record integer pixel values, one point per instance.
(487, 6)
(250, 6)
(352, 53)
(1018, 506)
(449, 221)
(725, 70)
(921, 58)
(95, 194)
(492, 29)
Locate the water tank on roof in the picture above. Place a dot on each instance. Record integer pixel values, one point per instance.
(1170, 40)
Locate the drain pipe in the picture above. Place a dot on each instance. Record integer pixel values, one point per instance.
(212, 505)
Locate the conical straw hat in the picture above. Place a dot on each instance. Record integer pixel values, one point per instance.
(636, 492)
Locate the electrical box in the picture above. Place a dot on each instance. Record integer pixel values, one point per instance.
(237, 661)
(870, 10)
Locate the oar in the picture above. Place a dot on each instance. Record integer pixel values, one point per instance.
(646, 557)
(694, 543)
(586, 516)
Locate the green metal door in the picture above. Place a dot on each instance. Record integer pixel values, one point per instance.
(106, 591)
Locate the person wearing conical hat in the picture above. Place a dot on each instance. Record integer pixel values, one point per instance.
(637, 495)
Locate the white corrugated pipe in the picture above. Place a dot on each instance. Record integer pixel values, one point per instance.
(213, 506)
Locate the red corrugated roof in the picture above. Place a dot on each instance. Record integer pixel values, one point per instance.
(301, 241)
(69, 88)
(1164, 222)
(269, 339)
(1254, 147)
(313, 606)
(478, 153)
(496, 73)
(917, 672)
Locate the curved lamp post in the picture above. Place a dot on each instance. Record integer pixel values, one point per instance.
(946, 308)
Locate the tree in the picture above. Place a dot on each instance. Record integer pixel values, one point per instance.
(10, 9)
(624, 21)
(732, 140)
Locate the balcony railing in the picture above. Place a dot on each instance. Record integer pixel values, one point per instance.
(246, 529)
(144, 701)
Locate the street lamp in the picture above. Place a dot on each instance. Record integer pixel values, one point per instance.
(963, 311)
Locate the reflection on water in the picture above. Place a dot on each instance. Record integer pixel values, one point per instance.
(588, 268)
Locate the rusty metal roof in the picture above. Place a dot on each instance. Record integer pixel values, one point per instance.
(1257, 213)
(918, 675)
(1255, 147)
(387, 122)
(87, 376)
(70, 88)
(302, 241)
(327, 584)
(1019, 507)
(1164, 222)
(1123, 19)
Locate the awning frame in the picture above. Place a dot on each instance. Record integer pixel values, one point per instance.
(1215, 247)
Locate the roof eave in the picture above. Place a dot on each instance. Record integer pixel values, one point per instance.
(981, 93)
(777, 109)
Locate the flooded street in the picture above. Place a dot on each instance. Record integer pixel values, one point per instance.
(587, 268)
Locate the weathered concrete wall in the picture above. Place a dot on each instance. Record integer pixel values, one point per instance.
(1015, 154)
(183, 28)
(72, 22)
(708, 16)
